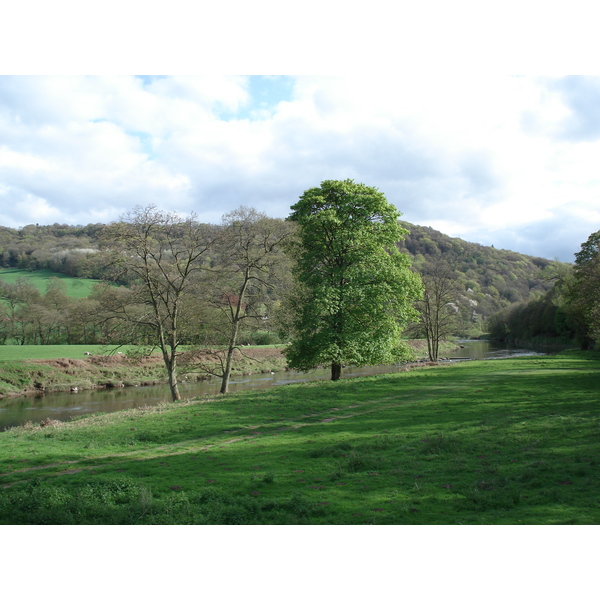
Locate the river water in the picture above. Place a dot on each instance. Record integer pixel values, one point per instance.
(63, 406)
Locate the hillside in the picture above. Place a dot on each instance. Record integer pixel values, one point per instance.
(490, 279)
(74, 287)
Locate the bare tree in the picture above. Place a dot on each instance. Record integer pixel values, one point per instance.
(163, 254)
(438, 309)
(249, 255)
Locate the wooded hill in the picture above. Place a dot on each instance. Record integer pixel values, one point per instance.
(489, 279)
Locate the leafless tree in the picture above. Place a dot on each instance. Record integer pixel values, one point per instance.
(163, 255)
(438, 309)
(247, 267)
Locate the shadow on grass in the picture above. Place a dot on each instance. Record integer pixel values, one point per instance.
(506, 443)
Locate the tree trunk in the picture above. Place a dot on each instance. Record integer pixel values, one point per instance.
(234, 334)
(170, 360)
(227, 371)
(173, 385)
(336, 371)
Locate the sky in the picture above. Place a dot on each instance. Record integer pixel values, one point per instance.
(508, 161)
(464, 116)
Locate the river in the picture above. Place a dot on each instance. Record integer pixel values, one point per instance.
(63, 406)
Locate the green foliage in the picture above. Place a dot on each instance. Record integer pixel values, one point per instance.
(570, 311)
(356, 289)
(586, 292)
(538, 319)
(488, 278)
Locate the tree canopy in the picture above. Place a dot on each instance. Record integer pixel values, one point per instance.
(587, 284)
(356, 290)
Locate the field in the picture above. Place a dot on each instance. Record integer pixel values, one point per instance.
(76, 287)
(512, 441)
(12, 352)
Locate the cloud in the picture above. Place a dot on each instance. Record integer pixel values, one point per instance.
(497, 160)
(581, 96)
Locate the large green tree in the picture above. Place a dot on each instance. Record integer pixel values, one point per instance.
(586, 297)
(355, 290)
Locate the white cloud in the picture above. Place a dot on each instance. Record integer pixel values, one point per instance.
(482, 157)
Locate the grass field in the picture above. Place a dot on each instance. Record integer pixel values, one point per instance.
(12, 352)
(76, 287)
(42, 352)
(512, 441)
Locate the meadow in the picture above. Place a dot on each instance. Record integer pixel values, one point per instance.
(11, 352)
(75, 287)
(512, 441)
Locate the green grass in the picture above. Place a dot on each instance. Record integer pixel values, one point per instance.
(512, 441)
(76, 287)
(12, 352)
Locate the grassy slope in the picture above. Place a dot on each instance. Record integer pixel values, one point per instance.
(510, 441)
(16, 353)
(76, 287)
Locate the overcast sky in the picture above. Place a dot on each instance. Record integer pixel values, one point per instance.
(508, 161)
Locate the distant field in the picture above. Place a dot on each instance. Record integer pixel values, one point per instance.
(76, 287)
(48, 352)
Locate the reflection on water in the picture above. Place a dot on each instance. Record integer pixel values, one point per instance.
(484, 349)
(63, 406)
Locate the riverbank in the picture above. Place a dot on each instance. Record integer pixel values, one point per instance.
(21, 377)
(478, 442)
(118, 370)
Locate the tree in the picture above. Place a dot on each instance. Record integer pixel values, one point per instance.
(586, 292)
(18, 297)
(438, 307)
(164, 255)
(355, 289)
(247, 260)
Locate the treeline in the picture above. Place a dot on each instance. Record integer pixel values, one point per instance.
(489, 279)
(72, 250)
(567, 313)
(117, 311)
(30, 317)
